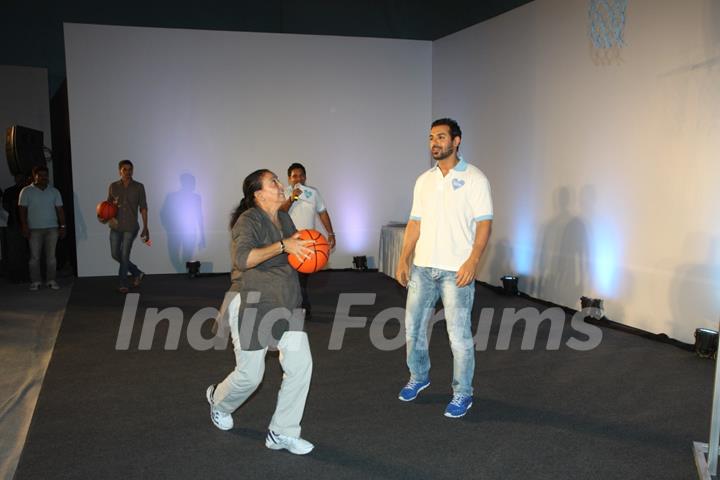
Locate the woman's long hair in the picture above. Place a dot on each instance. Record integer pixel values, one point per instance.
(251, 184)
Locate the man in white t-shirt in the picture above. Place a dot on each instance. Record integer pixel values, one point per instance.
(305, 205)
(448, 230)
(42, 221)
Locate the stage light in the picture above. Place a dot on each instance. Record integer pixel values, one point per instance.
(594, 303)
(706, 343)
(193, 268)
(510, 284)
(360, 263)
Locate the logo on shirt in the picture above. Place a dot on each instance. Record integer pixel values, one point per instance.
(457, 183)
(308, 193)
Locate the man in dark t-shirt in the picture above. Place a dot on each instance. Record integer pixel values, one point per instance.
(15, 247)
(129, 198)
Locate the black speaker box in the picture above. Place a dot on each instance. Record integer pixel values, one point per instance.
(24, 149)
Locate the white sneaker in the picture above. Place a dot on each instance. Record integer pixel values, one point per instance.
(34, 286)
(222, 420)
(298, 446)
(53, 284)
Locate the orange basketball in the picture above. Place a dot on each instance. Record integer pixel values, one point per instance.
(106, 210)
(317, 260)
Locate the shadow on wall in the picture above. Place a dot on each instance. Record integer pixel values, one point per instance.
(501, 263)
(695, 288)
(561, 272)
(80, 225)
(569, 258)
(182, 219)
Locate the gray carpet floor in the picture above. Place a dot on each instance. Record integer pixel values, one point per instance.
(29, 322)
(629, 408)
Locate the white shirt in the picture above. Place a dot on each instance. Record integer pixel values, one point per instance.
(448, 209)
(304, 210)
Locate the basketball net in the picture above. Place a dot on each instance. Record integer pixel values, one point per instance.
(607, 20)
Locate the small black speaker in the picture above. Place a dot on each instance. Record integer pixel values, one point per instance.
(24, 149)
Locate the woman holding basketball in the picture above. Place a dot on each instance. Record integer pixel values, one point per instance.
(263, 310)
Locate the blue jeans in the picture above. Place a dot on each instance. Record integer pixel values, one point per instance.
(425, 286)
(120, 246)
(42, 239)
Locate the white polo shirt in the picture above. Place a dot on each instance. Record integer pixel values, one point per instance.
(304, 210)
(448, 209)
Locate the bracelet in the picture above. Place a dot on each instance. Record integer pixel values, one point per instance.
(331, 234)
(282, 247)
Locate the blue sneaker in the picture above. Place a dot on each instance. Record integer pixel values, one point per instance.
(411, 390)
(459, 405)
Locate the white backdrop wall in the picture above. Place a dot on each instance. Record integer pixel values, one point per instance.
(196, 111)
(24, 100)
(604, 168)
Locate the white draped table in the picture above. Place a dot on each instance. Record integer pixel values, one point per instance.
(391, 240)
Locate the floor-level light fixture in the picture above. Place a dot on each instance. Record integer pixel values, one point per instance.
(510, 284)
(706, 343)
(360, 263)
(596, 304)
(193, 268)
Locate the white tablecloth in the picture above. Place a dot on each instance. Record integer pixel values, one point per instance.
(391, 240)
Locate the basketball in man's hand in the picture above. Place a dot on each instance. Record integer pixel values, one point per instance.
(106, 210)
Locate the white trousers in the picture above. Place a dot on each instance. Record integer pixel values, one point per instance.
(296, 362)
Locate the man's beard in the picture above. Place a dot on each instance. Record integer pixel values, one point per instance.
(443, 154)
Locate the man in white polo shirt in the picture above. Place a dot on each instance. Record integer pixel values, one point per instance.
(305, 205)
(448, 230)
(42, 220)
